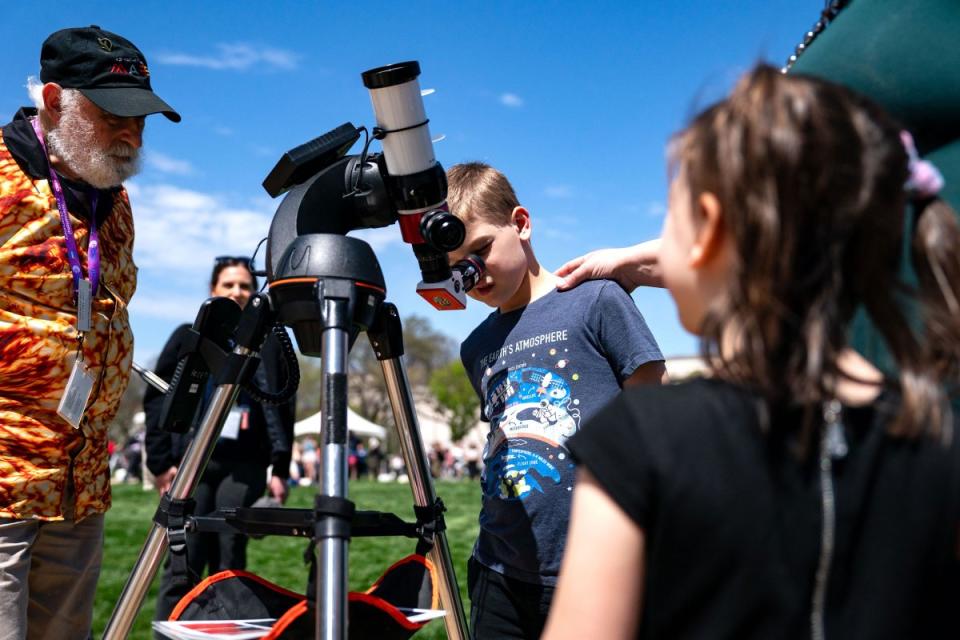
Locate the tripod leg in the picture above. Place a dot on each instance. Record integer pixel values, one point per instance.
(194, 462)
(421, 483)
(331, 531)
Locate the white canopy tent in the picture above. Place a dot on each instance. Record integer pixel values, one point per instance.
(356, 424)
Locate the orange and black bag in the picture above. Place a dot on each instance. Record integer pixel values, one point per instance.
(373, 615)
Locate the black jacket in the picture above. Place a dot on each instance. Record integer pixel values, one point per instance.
(268, 438)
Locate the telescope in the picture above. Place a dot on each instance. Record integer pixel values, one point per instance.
(329, 192)
(328, 288)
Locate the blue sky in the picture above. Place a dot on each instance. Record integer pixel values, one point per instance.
(574, 101)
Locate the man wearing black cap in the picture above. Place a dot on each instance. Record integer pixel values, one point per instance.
(66, 277)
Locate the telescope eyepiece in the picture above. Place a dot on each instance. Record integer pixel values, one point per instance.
(442, 230)
(471, 270)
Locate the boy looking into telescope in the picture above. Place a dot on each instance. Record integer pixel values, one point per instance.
(541, 362)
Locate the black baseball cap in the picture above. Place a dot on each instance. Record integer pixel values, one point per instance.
(106, 68)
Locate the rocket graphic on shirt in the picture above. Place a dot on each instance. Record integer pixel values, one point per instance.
(532, 413)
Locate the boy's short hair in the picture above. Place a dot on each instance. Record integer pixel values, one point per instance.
(478, 191)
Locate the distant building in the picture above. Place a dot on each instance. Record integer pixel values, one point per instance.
(684, 367)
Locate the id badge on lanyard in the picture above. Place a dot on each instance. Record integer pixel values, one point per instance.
(80, 383)
(237, 420)
(77, 393)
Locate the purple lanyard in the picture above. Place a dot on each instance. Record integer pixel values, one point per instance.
(93, 246)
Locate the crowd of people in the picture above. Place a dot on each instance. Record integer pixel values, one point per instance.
(126, 460)
(456, 461)
(798, 491)
(368, 459)
(365, 459)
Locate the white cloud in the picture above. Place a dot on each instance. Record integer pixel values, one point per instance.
(238, 56)
(223, 131)
(511, 100)
(180, 308)
(556, 234)
(266, 152)
(656, 209)
(558, 191)
(381, 238)
(179, 231)
(166, 164)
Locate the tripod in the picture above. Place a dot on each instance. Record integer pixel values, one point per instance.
(332, 290)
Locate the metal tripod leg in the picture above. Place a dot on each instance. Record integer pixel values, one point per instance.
(421, 483)
(331, 549)
(188, 474)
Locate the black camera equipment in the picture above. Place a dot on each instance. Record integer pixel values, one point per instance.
(203, 349)
(328, 287)
(404, 184)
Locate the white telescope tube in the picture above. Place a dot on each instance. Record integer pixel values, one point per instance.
(407, 148)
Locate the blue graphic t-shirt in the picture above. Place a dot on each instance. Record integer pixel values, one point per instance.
(540, 371)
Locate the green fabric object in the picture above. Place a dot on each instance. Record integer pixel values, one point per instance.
(903, 54)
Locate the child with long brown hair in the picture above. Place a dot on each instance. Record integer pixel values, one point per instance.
(798, 492)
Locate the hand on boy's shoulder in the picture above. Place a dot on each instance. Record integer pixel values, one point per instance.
(631, 267)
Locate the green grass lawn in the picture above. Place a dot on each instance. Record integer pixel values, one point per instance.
(280, 559)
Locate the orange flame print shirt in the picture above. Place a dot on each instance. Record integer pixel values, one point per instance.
(40, 452)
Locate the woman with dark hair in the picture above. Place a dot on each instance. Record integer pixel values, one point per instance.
(255, 436)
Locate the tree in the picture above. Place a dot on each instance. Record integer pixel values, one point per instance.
(425, 349)
(455, 395)
(310, 388)
(368, 390)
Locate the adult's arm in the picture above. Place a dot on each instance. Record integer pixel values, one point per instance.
(279, 418)
(158, 443)
(600, 588)
(631, 267)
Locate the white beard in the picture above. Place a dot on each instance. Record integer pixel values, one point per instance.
(74, 142)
